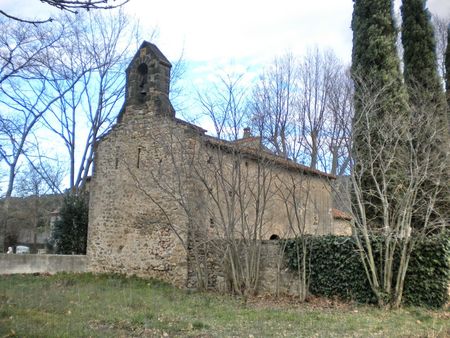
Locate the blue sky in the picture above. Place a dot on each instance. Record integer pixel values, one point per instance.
(245, 33)
(235, 36)
(241, 36)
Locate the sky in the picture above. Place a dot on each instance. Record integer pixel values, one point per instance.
(238, 36)
(220, 32)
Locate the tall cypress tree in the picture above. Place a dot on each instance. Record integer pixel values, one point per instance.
(427, 102)
(374, 54)
(376, 69)
(420, 61)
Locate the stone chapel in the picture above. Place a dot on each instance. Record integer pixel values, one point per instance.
(161, 184)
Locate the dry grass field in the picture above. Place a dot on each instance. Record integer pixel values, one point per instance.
(86, 305)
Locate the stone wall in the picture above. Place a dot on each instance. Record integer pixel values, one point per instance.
(152, 209)
(134, 226)
(12, 263)
(274, 278)
(260, 188)
(342, 227)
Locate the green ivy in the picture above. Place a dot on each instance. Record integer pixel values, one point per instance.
(427, 278)
(336, 270)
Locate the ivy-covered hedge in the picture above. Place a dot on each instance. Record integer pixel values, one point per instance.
(428, 274)
(336, 270)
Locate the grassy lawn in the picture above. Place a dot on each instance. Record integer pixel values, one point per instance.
(85, 305)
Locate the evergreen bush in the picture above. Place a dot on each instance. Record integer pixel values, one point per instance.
(336, 270)
(70, 231)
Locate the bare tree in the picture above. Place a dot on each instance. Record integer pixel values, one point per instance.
(440, 32)
(225, 105)
(401, 148)
(23, 48)
(22, 55)
(24, 95)
(296, 194)
(168, 184)
(239, 184)
(89, 82)
(338, 126)
(274, 107)
(25, 103)
(318, 72)
(27, 63)
(34, 183)
(71, 6)
(303, 108)
(16, 129)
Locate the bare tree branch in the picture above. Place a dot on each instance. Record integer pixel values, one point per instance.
(34, 22)
(391, 167)
(70, 6)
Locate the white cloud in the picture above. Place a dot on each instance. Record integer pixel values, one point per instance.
(440, 7)
(212, 30)
(220, 31)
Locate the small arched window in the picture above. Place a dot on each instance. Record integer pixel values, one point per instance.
(142, 69)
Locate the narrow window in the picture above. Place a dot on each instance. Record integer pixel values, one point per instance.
(138, 157)
(211, 222)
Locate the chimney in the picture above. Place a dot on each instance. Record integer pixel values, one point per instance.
(247, 132)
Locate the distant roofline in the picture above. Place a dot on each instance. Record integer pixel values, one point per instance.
(191, 125)
(248, 139)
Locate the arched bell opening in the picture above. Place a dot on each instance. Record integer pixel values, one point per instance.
(142, 70)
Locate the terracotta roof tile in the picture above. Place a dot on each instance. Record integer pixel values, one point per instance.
(339, 214)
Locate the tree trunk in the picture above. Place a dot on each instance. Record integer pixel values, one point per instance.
(314, 149)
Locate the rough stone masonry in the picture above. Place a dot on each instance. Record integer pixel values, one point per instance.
(153, 182)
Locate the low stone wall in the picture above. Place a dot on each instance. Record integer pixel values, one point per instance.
(16, 263)
(275, 277)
